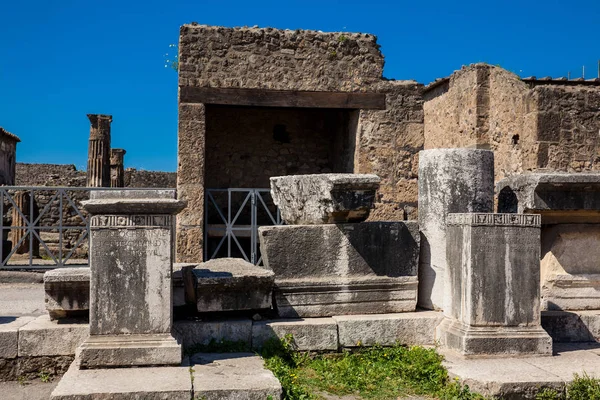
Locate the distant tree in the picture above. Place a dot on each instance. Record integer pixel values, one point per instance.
(172, 58)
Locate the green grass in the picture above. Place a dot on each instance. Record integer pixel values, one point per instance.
(372, 373)
(582, 388)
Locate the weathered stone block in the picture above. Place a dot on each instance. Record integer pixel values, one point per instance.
(43, 337)
(326, 270)
(558, 197)
(131, 253)
(67, 292)
(324, 198)
(310, 334)
(415, 328)
(189, 333)
(9, 335)
(233, 376)
(494, 284)
(229, 284)
(563, 326)
(450, 181)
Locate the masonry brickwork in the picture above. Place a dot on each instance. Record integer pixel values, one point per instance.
(530, 124)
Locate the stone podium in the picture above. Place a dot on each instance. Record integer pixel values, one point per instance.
(493, 277)
(131, 259)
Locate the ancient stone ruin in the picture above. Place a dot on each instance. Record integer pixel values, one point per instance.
(318, 199)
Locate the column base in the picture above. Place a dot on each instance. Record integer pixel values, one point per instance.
(105, 351)
(493, 340)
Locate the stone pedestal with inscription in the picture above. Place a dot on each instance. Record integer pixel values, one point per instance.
(493, 277)
(450, 181)
(131, 259)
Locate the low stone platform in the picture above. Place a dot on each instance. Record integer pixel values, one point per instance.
(208, 376)
(154, 383)
(227, 284)
(522, 377)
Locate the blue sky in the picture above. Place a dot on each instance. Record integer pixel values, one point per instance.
(62, 59)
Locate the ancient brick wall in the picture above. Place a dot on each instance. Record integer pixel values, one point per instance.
(388, 145)
(530, 125)
(568, 121)
(135, 178)
(277, 59)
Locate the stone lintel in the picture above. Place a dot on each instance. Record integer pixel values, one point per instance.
(559, 197)
(105, 351)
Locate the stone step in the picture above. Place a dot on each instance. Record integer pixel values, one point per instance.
(209, 376)
(233, 376)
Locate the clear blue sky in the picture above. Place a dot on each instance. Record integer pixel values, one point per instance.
(62, 59)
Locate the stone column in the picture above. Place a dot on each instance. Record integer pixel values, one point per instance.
(117, 171)
(98, 168)
(131, 260)
(450, 181)
(22, 201)
(494, 280)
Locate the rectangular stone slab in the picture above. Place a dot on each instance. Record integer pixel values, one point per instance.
(326, 270)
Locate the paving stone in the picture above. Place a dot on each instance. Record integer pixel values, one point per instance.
(416, 328)
(233, 376)
(9, 335)
(43, 337)
(149, 383)
(310, 334)
(189, 333)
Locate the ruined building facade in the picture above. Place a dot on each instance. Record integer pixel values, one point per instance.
(256, 103)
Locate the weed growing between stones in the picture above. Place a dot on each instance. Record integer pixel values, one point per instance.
(376, 372)
(583, 387)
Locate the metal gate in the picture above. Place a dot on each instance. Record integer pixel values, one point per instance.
(231, 221)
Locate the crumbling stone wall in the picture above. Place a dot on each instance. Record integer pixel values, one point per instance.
(268, 58)
(135, 178)
(530, 125)
(389, 142)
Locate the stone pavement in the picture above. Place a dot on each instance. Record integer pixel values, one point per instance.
(21, 299)
(521, 378)
(29, 390)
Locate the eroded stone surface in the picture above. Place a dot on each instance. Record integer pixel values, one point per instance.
(230, 284)
(324, 198)
(493, 278)
(326, 270)
(43, 337)
(310, 334)
(233, 376)
(67, 292)
(450, 181)
(189, 333)
(415, 328)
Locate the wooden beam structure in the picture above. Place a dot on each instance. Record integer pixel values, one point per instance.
(281, 98)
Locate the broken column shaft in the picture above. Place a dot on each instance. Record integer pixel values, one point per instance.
(117, 171)
(98, 168)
